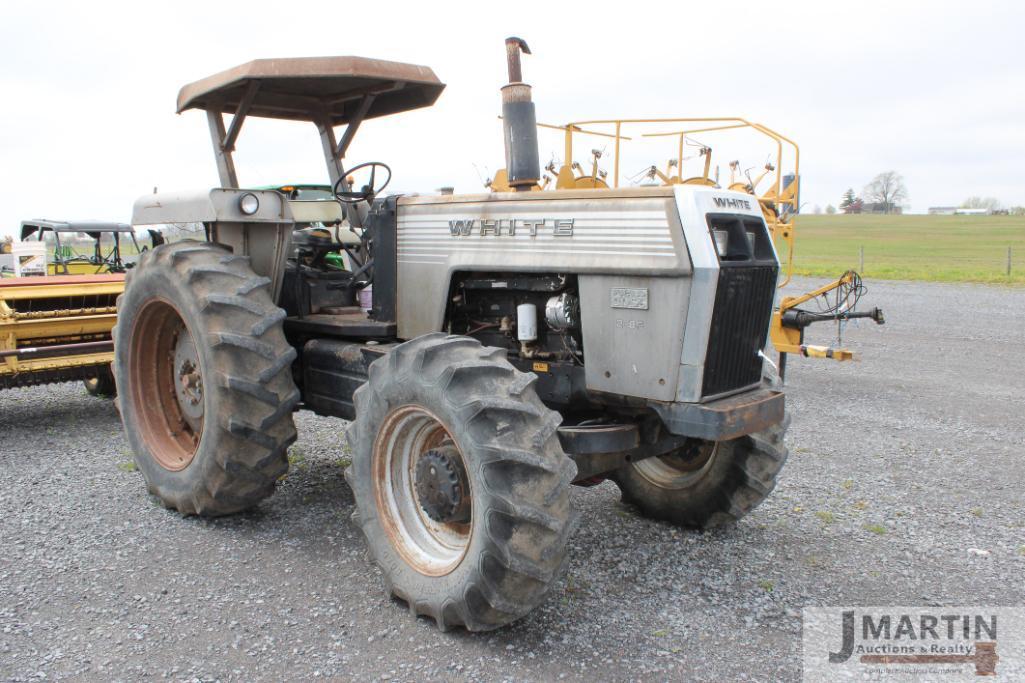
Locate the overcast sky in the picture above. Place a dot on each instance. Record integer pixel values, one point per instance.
(933, 90)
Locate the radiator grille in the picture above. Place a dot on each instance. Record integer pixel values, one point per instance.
(740, 323)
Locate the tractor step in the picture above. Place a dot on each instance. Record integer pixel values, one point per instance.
(348, 325)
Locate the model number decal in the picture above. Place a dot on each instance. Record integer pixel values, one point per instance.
(629, 297)
(496, 227)
(629, 324)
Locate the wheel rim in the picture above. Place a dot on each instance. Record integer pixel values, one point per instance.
(430, 547)
(679, 469)
(167, 385)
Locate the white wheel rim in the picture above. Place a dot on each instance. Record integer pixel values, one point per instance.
(430, 547)
(670, 472)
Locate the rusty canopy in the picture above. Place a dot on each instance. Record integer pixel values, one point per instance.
(310, 88)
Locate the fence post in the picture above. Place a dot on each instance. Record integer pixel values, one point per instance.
(861, 258)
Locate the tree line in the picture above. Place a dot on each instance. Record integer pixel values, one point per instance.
(887, 193)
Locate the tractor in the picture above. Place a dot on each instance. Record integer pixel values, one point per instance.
(488, 350)
(105, 238)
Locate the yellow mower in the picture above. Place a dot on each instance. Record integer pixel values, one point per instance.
(58, 304)
(57, 329)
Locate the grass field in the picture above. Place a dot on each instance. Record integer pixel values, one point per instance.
(940, 248)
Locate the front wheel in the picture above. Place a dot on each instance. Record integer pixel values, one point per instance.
(706, 484)
(461, 485)
(205, 378)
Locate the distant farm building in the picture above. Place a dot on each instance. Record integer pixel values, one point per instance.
(957, 211)
(881, 207)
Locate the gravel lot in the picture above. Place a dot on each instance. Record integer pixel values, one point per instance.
(900, 464)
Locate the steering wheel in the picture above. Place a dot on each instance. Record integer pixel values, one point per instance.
(368, 191)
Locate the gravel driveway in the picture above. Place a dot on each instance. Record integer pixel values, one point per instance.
(899, 465)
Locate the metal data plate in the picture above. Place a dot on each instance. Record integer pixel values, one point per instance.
(629, 297)
(635, 350)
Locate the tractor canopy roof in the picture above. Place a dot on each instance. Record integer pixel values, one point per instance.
(310, 88)
(92, 228)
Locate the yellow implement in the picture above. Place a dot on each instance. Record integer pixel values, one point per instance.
(779, 204)
(788, 321)
(76, 268)
(57, 329)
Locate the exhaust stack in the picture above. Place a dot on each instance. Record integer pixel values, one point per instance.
(520, 122)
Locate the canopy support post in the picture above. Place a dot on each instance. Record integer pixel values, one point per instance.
(353, 125)
(225, 162)
(354, 213)
(224, 140)
(228, 142)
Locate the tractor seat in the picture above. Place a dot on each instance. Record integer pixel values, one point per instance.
(324, 212)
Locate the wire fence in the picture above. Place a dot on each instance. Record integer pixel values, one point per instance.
(996, 262)
(984, 263)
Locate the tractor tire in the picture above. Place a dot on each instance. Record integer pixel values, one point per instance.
(706, 484)
(102, 385)
(447, 399)
(205, 378)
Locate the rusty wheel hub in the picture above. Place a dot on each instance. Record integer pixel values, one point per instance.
(441, 487)
(188, 384)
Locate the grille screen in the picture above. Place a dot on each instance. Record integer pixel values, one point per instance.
(743, 307)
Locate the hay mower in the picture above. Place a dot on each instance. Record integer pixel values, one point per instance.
(57, 328)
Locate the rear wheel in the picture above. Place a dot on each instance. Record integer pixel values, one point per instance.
(102, 385)
(461, 485)
(706, 484)
(205, 377)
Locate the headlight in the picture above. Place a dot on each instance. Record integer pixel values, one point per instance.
(249, 203)
(721, 239)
